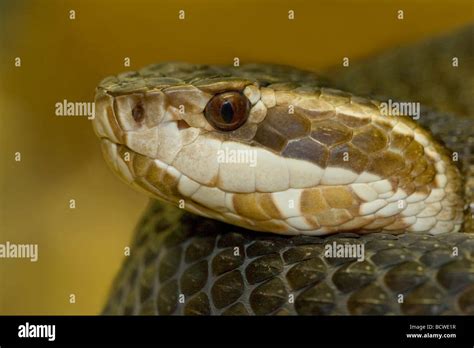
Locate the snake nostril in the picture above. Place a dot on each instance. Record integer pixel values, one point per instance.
(182, 125)
(138, 113)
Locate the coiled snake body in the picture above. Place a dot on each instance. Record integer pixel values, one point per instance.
(273, 149)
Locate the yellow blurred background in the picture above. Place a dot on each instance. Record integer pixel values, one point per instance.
(81, 249)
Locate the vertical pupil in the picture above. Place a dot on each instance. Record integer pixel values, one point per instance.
(227, 112)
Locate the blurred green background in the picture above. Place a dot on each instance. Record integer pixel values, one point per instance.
(80, 250)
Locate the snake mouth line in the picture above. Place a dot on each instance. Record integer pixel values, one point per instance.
(343, 206)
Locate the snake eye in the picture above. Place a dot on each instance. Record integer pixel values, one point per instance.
(227, 111)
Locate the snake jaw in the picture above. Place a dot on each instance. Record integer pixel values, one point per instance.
(395, 176)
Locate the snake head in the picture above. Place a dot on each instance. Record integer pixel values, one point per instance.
(267, 148)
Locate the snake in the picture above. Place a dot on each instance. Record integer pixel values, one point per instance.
(276, 191)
